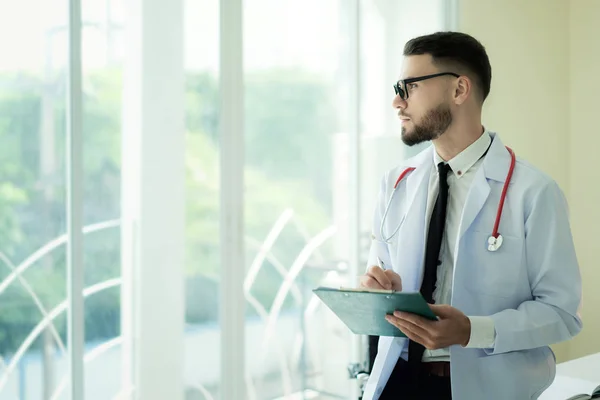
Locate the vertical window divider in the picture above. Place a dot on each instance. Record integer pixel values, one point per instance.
(232, 260)
(357, 347)
(74, 211)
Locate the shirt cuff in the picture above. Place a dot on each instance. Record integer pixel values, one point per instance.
(483, 333)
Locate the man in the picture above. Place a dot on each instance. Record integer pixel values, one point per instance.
(500, 302)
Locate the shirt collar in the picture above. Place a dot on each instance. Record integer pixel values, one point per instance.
(462, 162)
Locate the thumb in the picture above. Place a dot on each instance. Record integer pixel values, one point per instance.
(441, 310)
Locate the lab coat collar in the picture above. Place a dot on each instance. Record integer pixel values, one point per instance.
(497, 161)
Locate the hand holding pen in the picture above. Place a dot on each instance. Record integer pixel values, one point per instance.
(379, 277)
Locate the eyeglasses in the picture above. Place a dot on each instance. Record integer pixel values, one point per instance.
(400, 86)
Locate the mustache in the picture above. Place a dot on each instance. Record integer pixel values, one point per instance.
(402, 115)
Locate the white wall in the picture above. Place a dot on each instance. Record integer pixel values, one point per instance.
(544, 57)
(584, 142)
(527, 42)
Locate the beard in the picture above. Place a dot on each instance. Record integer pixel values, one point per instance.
(432, 126)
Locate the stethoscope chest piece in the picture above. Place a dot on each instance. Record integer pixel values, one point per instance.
(494, 243)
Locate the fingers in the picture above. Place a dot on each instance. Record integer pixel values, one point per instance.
(375, 278)
(379, 279)
(424, 334)
(425, 329)
(413, 319)
(368, 282)
(394, 279)
(408, 329)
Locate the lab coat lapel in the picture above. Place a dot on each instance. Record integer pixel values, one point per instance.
(417, 178)
(411, 238)
(478, 194)
(495, 167)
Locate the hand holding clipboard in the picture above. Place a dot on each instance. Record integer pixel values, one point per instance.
(373, 310)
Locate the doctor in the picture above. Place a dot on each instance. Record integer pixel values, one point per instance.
(499, 269)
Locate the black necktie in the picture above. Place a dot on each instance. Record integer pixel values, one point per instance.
(435, 234)
(432, 254)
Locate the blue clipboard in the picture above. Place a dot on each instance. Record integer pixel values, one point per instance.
(363, 311)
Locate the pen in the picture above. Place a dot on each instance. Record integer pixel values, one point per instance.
(381, 263)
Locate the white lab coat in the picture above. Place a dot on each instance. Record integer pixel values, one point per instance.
(531, 286)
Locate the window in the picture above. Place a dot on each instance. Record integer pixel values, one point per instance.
(295, 72)
(33, 198)
(152, 171)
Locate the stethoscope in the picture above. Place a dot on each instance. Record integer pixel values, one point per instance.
(494, 241)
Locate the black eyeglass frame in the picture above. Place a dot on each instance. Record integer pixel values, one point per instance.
(403, 93)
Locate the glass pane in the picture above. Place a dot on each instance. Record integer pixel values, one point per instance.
(296, 80)
(386, 25)
(32, 198)
(202, 333)
(102, 41)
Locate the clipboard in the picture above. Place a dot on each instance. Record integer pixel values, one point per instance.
(363, 310)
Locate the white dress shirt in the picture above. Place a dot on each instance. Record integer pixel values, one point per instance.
(464, 166)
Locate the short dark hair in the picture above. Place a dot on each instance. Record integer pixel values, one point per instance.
(455, 50)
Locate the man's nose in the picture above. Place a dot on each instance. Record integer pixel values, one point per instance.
(399, 103)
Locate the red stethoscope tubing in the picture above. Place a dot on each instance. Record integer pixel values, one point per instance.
(504, 190)
(509, 175)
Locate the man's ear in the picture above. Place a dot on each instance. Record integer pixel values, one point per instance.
(462, 90)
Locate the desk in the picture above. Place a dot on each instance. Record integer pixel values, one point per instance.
(581, 375)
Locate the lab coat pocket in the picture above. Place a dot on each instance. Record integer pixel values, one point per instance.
(495, 273)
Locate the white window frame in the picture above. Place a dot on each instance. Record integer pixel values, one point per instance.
(153, 202)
